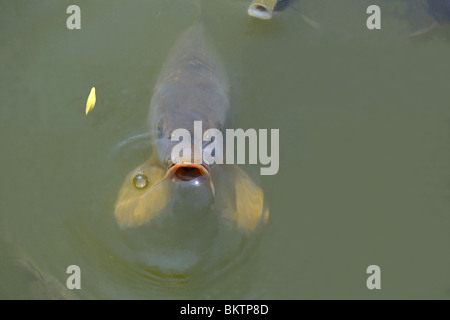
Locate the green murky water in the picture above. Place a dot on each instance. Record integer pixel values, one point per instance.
(364, 119)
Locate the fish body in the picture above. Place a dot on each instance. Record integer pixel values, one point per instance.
(188, 214)
(193, 86)
(440, 10)
(282, 4)
(33, 282)
(42, 286)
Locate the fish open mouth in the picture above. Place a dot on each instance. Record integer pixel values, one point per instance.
(260, 11)
(188, 171)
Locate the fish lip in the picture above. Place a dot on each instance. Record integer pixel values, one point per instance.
(173, 167)
(203, 168)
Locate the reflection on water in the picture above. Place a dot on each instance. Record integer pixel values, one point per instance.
(364, 157)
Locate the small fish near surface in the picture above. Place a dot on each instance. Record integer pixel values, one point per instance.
(188, 215)
(264, 10)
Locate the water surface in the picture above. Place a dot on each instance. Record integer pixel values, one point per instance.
(364, 123)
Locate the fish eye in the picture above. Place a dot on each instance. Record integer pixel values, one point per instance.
(140, 180)
(219, 126)
(160, 130)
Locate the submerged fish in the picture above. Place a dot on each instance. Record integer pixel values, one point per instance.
(181, 214)
(44, 287)
(32, 282)
(439, 10)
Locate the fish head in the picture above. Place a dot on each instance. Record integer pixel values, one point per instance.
(262, 9)
(188, 167)
(180, 228)
(168, 225)
(174, 216)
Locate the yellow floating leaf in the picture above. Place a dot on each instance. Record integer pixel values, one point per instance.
(90, 101)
